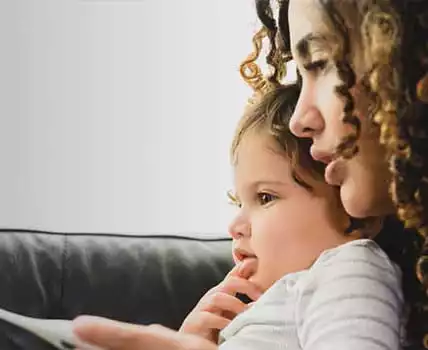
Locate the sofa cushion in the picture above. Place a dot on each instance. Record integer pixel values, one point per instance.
(140, 279)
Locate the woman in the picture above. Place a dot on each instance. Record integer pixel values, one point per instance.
(363, 71)
(363, 68)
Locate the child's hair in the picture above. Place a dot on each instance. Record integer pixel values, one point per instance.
(270, 114)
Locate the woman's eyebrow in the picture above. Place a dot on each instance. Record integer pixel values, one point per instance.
(303, 46)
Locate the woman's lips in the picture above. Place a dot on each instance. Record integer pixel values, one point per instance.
(334, 172)
(321, 156)
(335, 167)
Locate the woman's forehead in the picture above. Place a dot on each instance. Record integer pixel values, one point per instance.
(312, 30)
(307, 25)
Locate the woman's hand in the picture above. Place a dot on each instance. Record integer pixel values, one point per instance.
(219, 305)
(112, 335)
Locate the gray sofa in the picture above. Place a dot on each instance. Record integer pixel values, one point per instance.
(139, 279)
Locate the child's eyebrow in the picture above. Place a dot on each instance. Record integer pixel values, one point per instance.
(268, 182)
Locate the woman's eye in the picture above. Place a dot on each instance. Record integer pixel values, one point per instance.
(264, 198)
(315, 66)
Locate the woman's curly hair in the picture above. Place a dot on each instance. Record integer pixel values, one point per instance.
(394, 34)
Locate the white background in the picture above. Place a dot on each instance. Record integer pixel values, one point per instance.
(116, 116)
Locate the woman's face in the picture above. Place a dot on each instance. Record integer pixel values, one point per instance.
(363, 179)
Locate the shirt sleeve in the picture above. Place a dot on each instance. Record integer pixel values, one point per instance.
(353, 301)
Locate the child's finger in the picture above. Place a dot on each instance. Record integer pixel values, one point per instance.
(244, 269)
(221, 301)
(213, 321)
(234, 285)
(234, 271)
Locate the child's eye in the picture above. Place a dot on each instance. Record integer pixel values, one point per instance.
(265, 198)
(315, 66)
(233, 200)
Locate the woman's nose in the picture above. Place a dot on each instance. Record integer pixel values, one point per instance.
(306, 123)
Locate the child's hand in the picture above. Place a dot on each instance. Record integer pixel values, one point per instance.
(219, 305)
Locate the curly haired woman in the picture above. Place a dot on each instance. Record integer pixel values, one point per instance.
(363, 72)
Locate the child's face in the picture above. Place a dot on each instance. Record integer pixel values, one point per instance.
(280, 223)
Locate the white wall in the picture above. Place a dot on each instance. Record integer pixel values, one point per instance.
(117, 115)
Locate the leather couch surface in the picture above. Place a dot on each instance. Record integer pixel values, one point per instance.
(140, 279)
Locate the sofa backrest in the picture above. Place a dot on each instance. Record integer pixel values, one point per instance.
(139, 279)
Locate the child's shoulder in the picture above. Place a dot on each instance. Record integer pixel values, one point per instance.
(362, 258)
(351, 290)
(365, 250)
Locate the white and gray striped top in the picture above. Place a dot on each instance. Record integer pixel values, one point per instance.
(351, 298)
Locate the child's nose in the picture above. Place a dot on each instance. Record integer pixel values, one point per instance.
(239, 228)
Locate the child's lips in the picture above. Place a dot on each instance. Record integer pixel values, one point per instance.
(247, 261)
(240, 254)
(248, 267)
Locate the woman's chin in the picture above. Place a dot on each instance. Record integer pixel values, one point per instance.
(355, 199)
(360, 204)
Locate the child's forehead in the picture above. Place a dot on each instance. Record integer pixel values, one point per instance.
(258, 145)
(258, 156)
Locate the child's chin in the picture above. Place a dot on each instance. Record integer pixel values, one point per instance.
(258, 281)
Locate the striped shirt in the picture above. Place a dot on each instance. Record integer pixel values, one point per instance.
(351, 298)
